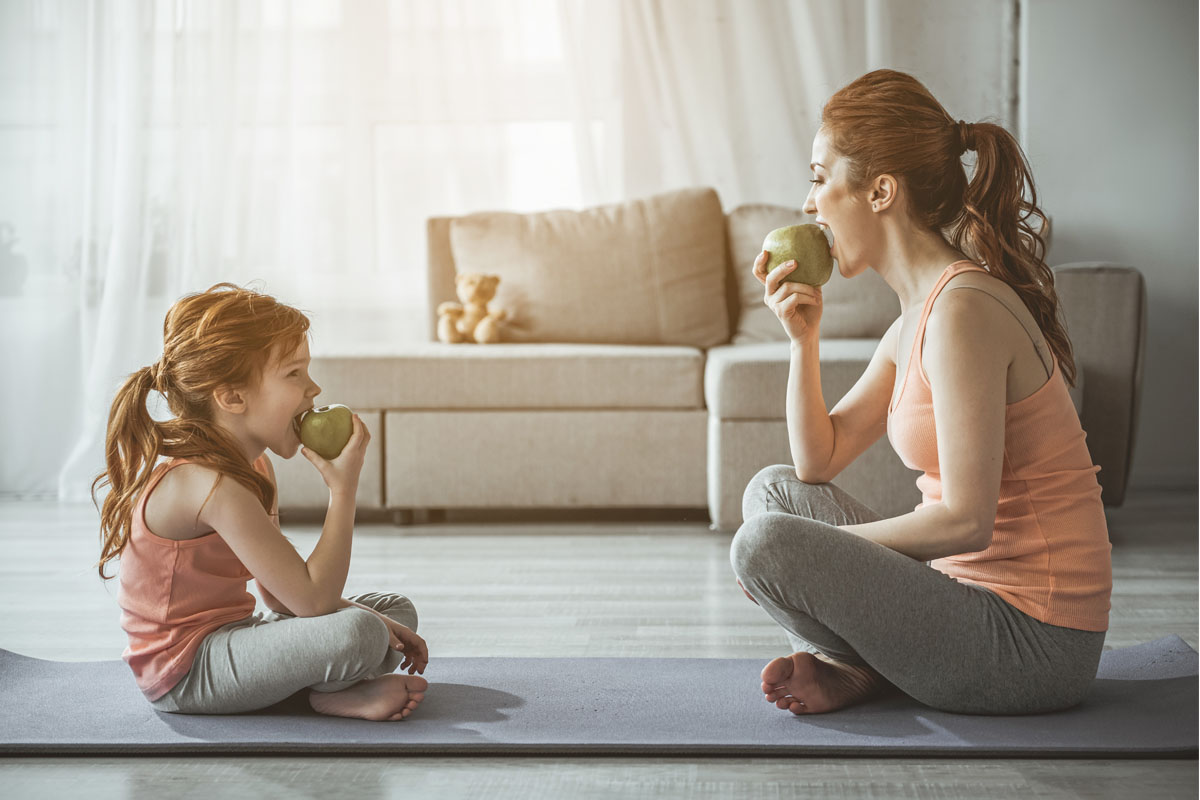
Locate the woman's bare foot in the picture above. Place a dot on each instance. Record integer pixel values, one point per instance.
(388, 697)
(805, 683)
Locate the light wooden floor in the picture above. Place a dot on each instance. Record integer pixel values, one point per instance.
(566, 587)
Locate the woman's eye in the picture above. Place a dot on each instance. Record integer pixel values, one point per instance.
(814, 180)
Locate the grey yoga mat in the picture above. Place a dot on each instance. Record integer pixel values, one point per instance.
(1143, 703)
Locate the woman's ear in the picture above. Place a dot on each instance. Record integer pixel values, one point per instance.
(883, 192)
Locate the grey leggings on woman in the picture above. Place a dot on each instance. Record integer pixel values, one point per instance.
(257, 661)
(950, 645)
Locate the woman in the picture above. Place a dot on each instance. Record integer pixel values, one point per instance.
(970, 383)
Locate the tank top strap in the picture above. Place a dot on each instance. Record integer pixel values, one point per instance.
(919, 338)
(957, 268)
(160, 472)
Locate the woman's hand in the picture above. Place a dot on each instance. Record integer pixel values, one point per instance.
(748, 595)
(797, 305)
(341, 474)
(405, 639)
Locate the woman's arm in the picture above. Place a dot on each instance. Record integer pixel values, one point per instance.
(967, 363)
(823, 443)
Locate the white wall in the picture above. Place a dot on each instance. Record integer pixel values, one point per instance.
(1108, 109)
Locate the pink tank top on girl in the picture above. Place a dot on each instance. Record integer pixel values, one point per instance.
(173, 593)
(1050, 554)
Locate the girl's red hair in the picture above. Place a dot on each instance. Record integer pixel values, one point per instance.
(224, 336)
(887, 122)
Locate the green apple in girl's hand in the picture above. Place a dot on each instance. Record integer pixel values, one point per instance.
(807, 246)
(326, 430)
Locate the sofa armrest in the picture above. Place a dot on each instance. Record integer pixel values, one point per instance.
(1104, 306)
(440, 268)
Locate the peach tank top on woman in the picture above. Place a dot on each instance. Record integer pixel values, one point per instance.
(173, 593)
(1049, 554)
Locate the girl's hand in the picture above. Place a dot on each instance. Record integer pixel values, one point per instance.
(341, 474)
(416, 652)
(797, 305)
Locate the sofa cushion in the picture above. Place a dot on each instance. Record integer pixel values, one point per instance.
(443, 376)
(749, 381)
(862, 307)
(649, 271)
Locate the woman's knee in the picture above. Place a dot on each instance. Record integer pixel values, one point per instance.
(756, 497)
(761, 541)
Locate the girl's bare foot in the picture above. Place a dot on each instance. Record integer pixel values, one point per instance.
(388, 697)
(805, 683)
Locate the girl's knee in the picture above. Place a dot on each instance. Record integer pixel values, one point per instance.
(401, 609)
(364, 633)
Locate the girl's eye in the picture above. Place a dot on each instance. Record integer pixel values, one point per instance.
(294, 373)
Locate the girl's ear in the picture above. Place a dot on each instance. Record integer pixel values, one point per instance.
(230, 399)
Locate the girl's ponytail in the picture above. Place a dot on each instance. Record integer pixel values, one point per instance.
(132, 444)
(995, 226)
(224, 336)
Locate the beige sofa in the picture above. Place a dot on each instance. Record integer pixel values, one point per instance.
(641, 369)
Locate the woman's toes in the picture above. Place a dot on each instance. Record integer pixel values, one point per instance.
(777, 671)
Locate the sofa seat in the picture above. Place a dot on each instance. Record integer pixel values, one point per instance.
(749, 381)
(441, 377)
(590, 425)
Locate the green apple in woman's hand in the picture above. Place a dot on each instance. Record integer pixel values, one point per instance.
(807, 246)
(326, 430)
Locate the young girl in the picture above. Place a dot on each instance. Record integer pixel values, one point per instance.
(970, 384)
(191, 531)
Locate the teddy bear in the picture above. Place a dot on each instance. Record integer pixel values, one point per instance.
(470, 320)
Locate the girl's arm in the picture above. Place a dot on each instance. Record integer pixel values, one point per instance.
(270, 600)
(967, 364)
(309, 587)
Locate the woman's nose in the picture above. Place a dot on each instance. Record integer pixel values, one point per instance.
(810, 205)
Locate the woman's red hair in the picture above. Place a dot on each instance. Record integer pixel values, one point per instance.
(887, 122)
(225, 336)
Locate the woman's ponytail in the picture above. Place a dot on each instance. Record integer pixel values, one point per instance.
(996, 227)
(888, 122)
(132, 444)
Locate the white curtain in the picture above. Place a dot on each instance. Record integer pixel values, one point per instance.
(150, 148)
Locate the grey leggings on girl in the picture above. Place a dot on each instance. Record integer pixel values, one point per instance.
(950, 645)
(257, 661)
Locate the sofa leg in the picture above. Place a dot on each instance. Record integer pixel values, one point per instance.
(403, 517)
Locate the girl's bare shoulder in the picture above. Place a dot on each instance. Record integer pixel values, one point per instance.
(173, 508)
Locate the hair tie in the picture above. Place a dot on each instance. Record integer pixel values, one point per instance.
(158, 374)
(966, 135)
